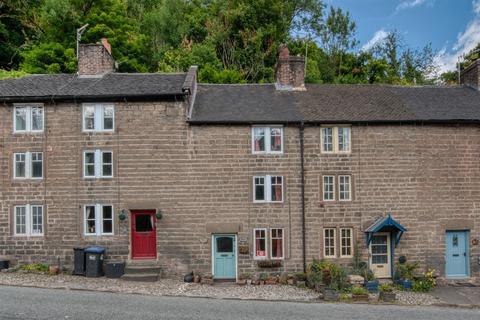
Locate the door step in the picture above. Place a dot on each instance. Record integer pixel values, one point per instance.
(142, 277)
(135, 269)
(144, 271)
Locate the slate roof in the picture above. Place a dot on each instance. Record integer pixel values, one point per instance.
(335, 103)
(110, 86)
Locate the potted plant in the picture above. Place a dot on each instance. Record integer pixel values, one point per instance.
(248, 277)
(386, 293)
(370, 281)
(271, 280)
(359, 294)
(241, 280)
(406, 274)
(262, 278)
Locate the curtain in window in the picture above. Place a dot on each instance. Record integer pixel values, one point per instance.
(278, 192)
(260, 251)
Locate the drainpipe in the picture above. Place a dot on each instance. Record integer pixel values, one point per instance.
(302, 190)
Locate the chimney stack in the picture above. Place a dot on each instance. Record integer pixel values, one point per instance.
(290, 73)
(95, 59)
(470, 76)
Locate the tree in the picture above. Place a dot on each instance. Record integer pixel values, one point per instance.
(337, 36)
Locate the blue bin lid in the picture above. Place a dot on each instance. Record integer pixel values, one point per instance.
(95, 249)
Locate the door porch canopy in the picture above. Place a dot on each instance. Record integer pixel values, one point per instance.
(385, 224)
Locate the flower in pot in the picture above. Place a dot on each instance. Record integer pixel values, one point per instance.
(262, 278)
(386, 293)
(359, 294)
(370, 281)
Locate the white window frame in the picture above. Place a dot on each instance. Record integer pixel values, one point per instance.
(255, 257)
(98, 117)
(98, 164)
(28, 118)
(349, 140)
(323, 187)
(283, 244)
(28, 221)
(349, 187)
(335, 140)
(98, 220)
(268, 141)
(268, 189)
(28, 166)
(341, 243)
(322, 146)
(334, 243)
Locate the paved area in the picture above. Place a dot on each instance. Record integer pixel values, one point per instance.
(34, 303)
(467, 296)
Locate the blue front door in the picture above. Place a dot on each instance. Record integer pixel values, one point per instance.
(457, 254)
(224, 261)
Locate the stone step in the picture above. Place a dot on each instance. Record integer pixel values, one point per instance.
(142, 269)
(142, 277)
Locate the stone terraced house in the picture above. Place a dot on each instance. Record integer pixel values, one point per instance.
(230, 179)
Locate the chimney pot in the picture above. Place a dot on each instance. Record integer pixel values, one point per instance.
(106, 45)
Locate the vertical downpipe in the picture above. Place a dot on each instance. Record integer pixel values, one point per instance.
(302, 190)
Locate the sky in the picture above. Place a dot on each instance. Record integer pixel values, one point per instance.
(451, 26)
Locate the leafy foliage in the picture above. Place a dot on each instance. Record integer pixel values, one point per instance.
(407, 270)
(234, 41)
(326, 272)
(35, 267)
(427, 283)
(386, 287)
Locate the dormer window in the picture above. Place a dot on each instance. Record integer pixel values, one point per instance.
(267, 140)
(98, 117)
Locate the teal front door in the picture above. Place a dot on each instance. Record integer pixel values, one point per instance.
(224, 259)
(456, 254)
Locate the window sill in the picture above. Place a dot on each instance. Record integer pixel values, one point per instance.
(25, 236)
(23, 133)
(98, 132)
(267, 153)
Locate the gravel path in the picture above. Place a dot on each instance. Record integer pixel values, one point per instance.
(164, 287)
(171, 287)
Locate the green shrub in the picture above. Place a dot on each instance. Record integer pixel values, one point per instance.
(35, 267)
(301, 276)
(386, 287)
(368, 275)
(427, 283)
(407, 271)
(359, 291)
(328, 273)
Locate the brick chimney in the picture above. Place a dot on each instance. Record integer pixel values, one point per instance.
(290, 73)
(470, 76)
(95, 59)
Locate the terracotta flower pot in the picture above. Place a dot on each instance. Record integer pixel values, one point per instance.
(53, 270)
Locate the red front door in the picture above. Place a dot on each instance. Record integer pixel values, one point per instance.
(144, 234)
